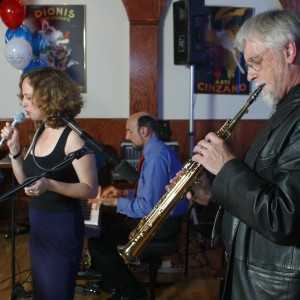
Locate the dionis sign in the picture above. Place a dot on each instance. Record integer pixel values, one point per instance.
(223, 70)
(61, 13)
(59, 38)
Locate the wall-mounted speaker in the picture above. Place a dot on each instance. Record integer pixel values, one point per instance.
(189, 31)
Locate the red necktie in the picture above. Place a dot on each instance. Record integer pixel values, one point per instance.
(139, 169)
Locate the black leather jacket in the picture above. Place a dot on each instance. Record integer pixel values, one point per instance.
(261, 199)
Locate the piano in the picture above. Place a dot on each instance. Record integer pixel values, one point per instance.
(92, 218)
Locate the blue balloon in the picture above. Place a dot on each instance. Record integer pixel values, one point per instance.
(36, 39)
(35, 63)
(22, 32)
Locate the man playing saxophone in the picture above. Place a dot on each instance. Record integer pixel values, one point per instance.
(260, 196)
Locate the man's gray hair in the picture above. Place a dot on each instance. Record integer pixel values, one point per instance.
(275, 28)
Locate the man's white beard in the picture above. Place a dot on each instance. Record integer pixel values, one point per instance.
(270, 98)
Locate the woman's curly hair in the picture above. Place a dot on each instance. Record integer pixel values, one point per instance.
(54, 93)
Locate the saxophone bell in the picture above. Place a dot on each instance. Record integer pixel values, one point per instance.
(126, 253)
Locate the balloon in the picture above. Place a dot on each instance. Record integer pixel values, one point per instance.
(13, 13)
(18, 53)
(22, 32)
(35, 63)
(36, 39)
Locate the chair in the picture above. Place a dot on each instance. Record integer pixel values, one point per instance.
(153, 253)
(203, 228)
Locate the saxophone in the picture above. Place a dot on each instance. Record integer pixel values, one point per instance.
(141, 235)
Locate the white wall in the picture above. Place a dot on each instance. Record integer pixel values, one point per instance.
(107, 53)
(175, 96)
(108, 67)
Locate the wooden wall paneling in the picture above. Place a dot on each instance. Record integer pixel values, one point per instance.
(290, 4)
(110, 133)
(143, 69)
(144, 17)
(240, 139)
(144, 10)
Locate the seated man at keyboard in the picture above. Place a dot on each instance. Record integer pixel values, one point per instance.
(160, 164)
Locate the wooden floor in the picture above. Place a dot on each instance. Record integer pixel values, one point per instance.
(199, 283)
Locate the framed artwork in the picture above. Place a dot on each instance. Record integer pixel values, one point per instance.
(58, 38)
(223, 70)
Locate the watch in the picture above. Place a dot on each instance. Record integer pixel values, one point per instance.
(11, 156)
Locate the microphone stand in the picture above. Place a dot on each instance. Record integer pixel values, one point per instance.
(123, 167)
(17, 290)
(76, 154)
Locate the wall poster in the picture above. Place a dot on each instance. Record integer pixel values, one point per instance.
(223, 70)
(58, 38)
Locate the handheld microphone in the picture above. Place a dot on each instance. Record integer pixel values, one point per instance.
(123, 167)
(19, 118)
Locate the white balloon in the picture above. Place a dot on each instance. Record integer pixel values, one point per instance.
(18, 53)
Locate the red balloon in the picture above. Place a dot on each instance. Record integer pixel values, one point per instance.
(13, 13)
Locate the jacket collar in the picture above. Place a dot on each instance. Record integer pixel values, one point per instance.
(283, 110)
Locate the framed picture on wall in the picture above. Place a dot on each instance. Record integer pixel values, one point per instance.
(223, 71)
(58, 38)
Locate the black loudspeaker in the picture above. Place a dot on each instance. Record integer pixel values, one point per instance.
(164, 130)
(189, 31)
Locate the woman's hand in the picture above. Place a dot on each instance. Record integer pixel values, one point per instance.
(11, 134)
(38, 188)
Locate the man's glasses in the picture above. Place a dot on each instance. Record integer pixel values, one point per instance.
(256, 61)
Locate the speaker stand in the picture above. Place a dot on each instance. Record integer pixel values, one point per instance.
(192, 102)
(191, 143)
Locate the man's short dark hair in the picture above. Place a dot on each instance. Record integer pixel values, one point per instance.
(147, 121)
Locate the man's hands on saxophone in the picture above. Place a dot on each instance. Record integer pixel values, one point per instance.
(212, 153)
(199, 192)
